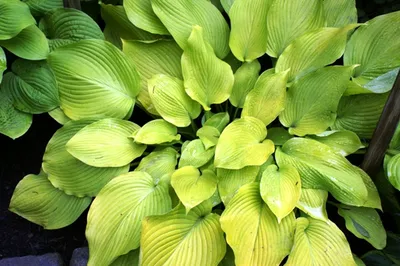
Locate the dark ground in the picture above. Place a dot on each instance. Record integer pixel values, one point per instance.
(19, 237)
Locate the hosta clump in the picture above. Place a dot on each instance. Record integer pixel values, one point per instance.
(237, 161)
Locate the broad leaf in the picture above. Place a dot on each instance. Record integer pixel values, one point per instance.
(278, 135)
(364, 223)
(13, 123)
(68, 173)
(313, 203)
(377, 257)
(267, 100)
(343, 142)
(90, 73)
(310, 108)
(141, 14)
(58, 115)
(242, 143)
(319, 243)
(208, 135)
(34, 87)
(360, 113)
(38, 201)
(320, 167)
(288, 20)
(168, 96)
(340, 13)
(245, 79)
(219, 121)
(248, 39)
(30, 44)
(193, 187)
(393, 171)
(280, 188)
(111, 148)
(179, 16)
(15, 17)
(66, 25)
(138, 197)
(199, 61)
(252, 230)
(129, 259)
(40, 7)
(313, 50)
(195, 154)
(227, 4)
(156, 132)
(151, 58)
(177, 238)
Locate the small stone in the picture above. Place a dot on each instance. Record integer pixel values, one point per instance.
(50, 259)
(80, 257)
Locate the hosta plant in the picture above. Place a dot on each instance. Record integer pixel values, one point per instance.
(251, 109)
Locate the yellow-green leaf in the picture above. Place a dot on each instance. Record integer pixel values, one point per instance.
(193, 187)
(280, 188)
(156, 132)
(179, 16)
(199, 61)
(36, 200)
(106, 143)
(15, 16)
(288, 20)
(93, 72)
(343, 142)
(313, 203)
(168, 96)
(129, 259)
(313, 50)
(252, 230)
(177, 238)
(248, 39)
(227, 4)
(393, 171)
(242, 143)
(319, 243)
(219, 121)
(126, 200)
(340, 13)
(208, 135)
(267, 100)
(278, 135)
(195, 154)
(58, 115)
(364, 223)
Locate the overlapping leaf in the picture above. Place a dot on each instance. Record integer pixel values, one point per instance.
(195, 154)
(41, 7)
(343, 142)
(278, 135)
(156, 132)
(219, 121)
(15, 16)
(393, 171)
(245, 79)
(3, 63)
(313, 203)
(208, 135)
(340, 13)
(58, 115)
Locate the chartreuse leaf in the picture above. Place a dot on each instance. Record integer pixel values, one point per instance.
(313, 50)
(245, 79)
(111, 148)
(360, 113)
(288, 20)
(30, 44)
(119, 231)
(66, 25)
(280, 188)
(310, 109)
(168, 96)
(374, 46)
(319, 243)
(129, 259)
(177, 238)
(195, 154)
(340, 13)
(320, 167)
(151, 58)
(243, 143)
(58, 115)
(358, 261)
(68, 173)
(41, 7)
(13, 123)
(36, 200)
(141, 14)
(252, 230)
(3, 63)
(84, 91)
(159, 163)
(199, 61)
(157, 131)
(15, 16)
(267, 100)
(373, 200)
(393, 171)
(219, 121)
(343, 142)
(395, 142)
(230, 181)
(179, 16)
(248, 39)
(34, 87)
(278, 135)
(313, 203)
(364, 223)
(193, 187)
(227, 4)
(208, 135)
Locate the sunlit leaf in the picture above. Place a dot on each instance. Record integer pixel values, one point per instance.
(340, 13)
(278, 135)
(15, 16)
(129, 259)
(243, 143)
(156, 132)
(227, 4)
(313, 203)
(393, 171)
(38, 201)
(58, 115)
(252, 230)
(343, 142)
(209, 136)
(41, 7)
(195, 154)
(219, 121)
(138, 196)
